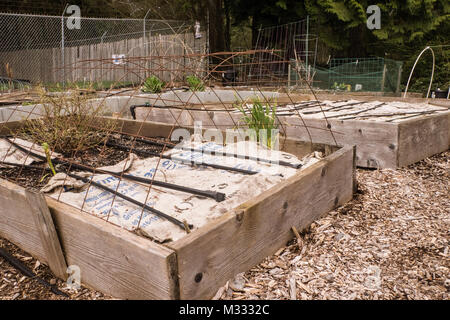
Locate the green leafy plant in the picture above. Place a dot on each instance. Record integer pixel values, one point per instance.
(49, 158)
(261, 116)
(4, 87)
(152, 85)
(195, 84)
(86, 85)
(29, 103)
(340, 86)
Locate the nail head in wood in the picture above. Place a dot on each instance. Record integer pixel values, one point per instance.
(198, 277)
(239, 215)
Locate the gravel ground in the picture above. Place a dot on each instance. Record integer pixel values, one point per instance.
(390, 242)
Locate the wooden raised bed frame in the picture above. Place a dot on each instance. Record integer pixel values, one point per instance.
(380, 144)
(383, 144)
(124, 265)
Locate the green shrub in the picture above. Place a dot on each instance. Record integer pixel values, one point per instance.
(195, 84)
(152, 85)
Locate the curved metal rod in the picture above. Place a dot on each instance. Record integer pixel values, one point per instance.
(414, 66)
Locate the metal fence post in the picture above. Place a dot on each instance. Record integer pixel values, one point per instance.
(62, 51)
(101, 55)
(62, 47)
(143, 42)
(307, 48)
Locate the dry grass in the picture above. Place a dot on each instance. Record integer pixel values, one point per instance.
(70, 122)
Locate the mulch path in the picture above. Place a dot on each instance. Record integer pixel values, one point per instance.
(390, 242)
(15, 286)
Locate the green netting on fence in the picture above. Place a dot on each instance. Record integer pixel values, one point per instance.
(358, 74)
(364, 74)
(321, 78)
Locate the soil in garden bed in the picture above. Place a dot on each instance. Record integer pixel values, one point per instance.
(95, 157)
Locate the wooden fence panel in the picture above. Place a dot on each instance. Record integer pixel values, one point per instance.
(93, 62)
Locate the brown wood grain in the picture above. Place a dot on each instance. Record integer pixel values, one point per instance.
(16, 220)
(240, 239)
(376, 142)
(423, 137)
(113, 260)
(49, 237)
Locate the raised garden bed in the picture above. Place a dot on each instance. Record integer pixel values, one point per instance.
(382, 142)
(125, 265)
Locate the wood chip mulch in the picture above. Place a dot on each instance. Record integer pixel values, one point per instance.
(15, 286)
(390, 242)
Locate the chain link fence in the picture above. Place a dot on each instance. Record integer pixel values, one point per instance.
(48, 50)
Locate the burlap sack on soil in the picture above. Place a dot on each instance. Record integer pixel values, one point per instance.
(193, 209)
(9, 153)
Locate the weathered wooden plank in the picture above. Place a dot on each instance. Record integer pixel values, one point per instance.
(175, 116)
(114, 260)
(240, 239)
(376, 142)
(49, 237)
(144, 128)
(16, 220)
(302, 148)
(419, 138)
